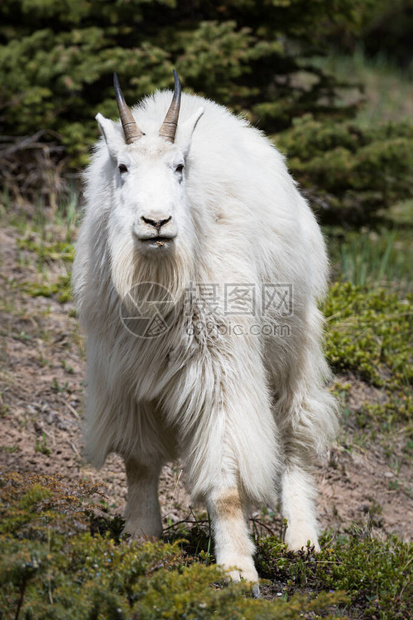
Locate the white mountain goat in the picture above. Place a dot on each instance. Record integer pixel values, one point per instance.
(197, 272)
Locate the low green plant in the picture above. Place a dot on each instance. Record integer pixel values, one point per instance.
(61, 289)
(376, 576)
(55, 251)
(369, 332)
(396, 409)
(52, 567)
(59, 559)
(41, 445)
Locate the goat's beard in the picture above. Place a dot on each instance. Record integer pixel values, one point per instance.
(172, 272)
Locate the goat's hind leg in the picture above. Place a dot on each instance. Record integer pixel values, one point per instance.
(307, 417)
(298, 505)
(311, 425)
(143, 513)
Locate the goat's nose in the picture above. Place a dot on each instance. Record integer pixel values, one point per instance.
(156, 223)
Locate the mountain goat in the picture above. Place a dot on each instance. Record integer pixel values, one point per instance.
(197, 274)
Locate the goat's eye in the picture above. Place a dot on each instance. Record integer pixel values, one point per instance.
(122, 168)
(179, 168)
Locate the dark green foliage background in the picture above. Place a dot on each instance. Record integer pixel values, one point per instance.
(57, 59)
(386, 28)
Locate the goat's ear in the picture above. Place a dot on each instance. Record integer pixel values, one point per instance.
(186, 130)
(113, 134)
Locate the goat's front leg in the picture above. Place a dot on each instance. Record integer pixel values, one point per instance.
(143, 513)
(233, 546)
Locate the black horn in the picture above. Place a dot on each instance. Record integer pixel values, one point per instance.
(130, 128)
(168, 129)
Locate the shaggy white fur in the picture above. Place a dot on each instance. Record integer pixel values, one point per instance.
(239, 395)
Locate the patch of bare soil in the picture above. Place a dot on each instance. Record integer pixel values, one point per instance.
(362, 483)
(42, 374)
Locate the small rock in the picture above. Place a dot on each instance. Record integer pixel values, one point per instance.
(62, 425)
(38, 427)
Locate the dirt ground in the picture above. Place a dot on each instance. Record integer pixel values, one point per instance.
(42, 377)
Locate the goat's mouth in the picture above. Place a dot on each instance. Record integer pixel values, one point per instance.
(158, 241)
(159, 238)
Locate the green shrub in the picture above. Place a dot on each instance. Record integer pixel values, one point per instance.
(369, 332)
(57, 59)
(353, 172)
(52, 567)
(376, 576)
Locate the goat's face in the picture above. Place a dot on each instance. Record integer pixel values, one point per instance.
(150, 229)
(150, 203)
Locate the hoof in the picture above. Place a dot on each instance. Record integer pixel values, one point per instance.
(249, 576)
(256, 591)
(242, 569)
(295, 543)
(141, 531)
